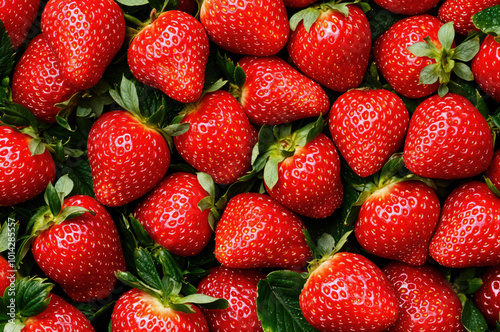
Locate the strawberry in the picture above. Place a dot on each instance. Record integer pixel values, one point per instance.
(407, 7)
(220, 138)
(468, 233)
(298, 4)
(487, 297)
(448, 138)
(171, 215)
(17, 17)
(24, 172)
(252, 27)
(460, 12)
(239, 288)
(368, 126)
(85, 36)
(486, 67)
(493, 171)
(330, 43)
(426, 300)
(170, 54)
(276, 93)
(255, 231)
(7, 275)
(38, 82)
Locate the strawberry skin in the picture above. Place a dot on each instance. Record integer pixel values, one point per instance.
(252, 27)
(38, 82)
(7, 275)
(85, 35)
(22, 176)
(17, 17)
(407, 7)
(137, 311)
(348, 292)
(487, 297)
(239, 288)
(448, 138)
(171, 216)
(468, 233)
(81, 254)
(460, 12)
(220, 138)
(256, 231)
(493, 171)
(335, 50)
(127, 159)
(486, 67)
(368, 126)
(171, 54)
(426, 300)
(276, 93)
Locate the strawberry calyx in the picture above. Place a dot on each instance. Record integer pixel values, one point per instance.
(233, 72)
(208, 202)
(325, 248)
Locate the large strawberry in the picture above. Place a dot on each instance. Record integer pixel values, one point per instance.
(407, 7)
(487, 297)
(486, 67)
(426, 300)
(85, 35)
(468, 233)
(252, 27)
(256, 231)
(17, 17)
(331, 43)
(368, 126)
(460, 12)
(170, 54)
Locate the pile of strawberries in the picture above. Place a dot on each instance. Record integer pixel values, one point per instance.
(249, 165)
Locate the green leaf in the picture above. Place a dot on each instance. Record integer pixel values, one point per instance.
(423, 49)
(169, 265)
(64, 186)
(239, 76)
(14, 326)
(6, 233)
(52, 199)
(297, 18)
(446, 35)
(176, 129)
(32, 296)
(206, 182)
(17, 115)
(78, 170)
(142, 236)
(271, 173)
(472, 319)
(463, 71)
(202, 299)
(467, 50)
(70, 212)
(325, 246)
(488, 20)
(310, 18)
(36, 146)
(133, 2)
(146, 269)
(185, 308)
(7, 54)
(430, 74)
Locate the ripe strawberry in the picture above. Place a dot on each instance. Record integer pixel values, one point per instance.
(17, 17)
(7, 275)
(493, 171)
(426, 300)
(246, 27)
(486, 67)
(171, 54)
(171, 215)
(460, 12)
(239, 288)
(468, 233)
(348, 292)
(368, 126)
(220, 138)
(407, 7)
(127, 158)
(23, 174)
(297, 4)
(448, 138)
(276, 93)
(487, 297)
(255, 231)
(333, 49)
(397, 221)
(85, 36)
(38, 83)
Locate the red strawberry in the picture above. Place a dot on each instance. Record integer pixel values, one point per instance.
(220, 138)
(171, 54)
(426, 300)
(493, 171)
(486, 67)
(17, 17)
(23, 175)
(171, 215)
(460, 12)
(448, 139)
(239, 288)
(487, 297)
(397, 221)
(253, 27)
(297, 4)
(127, 158)
(348, 292)
(7, 275)
(407, 7)
(468, 233)
(368, 126)
(256, 231)
(276, 93)
(85, 36)
(38, 82)
(334, 49)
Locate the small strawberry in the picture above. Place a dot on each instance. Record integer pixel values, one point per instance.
(26, 167)
(17, 17)
(330, 43)
(468, 233)
(368, 126)
(493, 171)
(239, 288)
(7, 275)
(487, 297)
(426, 300)
(252, 27)
(85, 36)
(407, 7)
(276, 93)
(486, 67)
(256, 231)
(460, 12)
(448, 138)
(170, 54)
